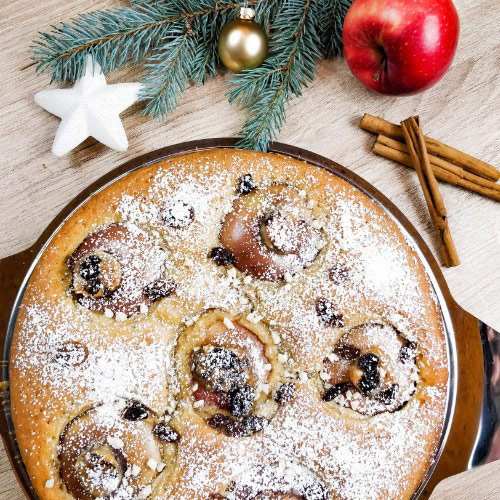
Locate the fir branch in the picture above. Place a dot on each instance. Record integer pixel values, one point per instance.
(266, 11)
(207, 30)
(113, 37)
(205, 60)
(331, 24)
(296, 46)
(168, 70)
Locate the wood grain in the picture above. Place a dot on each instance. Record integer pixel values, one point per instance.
(478, 484)
(462, 111)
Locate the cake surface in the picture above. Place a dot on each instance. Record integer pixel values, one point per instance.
(228, 324)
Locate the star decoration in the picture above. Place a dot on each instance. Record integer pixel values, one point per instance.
(89, 109)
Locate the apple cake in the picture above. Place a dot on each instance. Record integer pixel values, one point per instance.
(229, 324)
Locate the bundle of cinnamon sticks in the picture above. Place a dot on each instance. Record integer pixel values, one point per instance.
(433, 160)
(448, 164)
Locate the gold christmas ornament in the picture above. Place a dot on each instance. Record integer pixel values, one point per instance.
(242, 43)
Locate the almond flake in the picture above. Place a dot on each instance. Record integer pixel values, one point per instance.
(115, 442)
(282, 358)
(332, 357)
(229, 324)
(145, 492)
(120, 316)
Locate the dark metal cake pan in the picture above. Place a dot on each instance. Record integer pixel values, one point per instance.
(471, 413)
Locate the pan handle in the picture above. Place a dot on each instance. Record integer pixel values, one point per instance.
(487, 446)
(12, 272)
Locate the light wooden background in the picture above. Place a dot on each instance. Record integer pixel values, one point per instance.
(463, 110)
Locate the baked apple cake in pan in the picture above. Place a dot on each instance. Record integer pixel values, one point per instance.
(228, 324)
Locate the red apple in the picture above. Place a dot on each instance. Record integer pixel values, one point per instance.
(400, 46)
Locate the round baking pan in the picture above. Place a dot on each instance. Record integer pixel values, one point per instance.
(471, 415)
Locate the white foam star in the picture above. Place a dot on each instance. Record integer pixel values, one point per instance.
(89, 109)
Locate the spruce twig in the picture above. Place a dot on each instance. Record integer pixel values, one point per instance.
(114, 37)
(330, 23)
(168, 70)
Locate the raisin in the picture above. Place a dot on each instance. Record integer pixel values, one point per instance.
(336, 390)
(90, 267)
(236, 428)
(218, 421)
(316, 492)
(285, 393)
(369, 381)
(221, 256)
(165, 433)
(347, 351)
(338, 274)
(136, 411)
(242, 400)
(245, 427)
(71, 353)
(368, 362)
(407, 351)
(246, 184)
(400, 407)
(93, 287)
(178, 214)
(327, 314)
(159, 289)
(387, 396)
(219, 369)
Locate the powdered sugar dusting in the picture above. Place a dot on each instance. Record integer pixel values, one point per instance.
(308, 443)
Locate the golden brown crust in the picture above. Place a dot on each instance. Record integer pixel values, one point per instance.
(355, 456)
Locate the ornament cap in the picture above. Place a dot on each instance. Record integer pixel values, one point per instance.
(247, 13)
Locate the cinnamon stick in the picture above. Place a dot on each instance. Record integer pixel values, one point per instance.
(380, 126)
(418, 152)
(445, 175)
(440, 162)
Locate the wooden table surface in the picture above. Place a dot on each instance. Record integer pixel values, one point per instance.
(463, 110)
